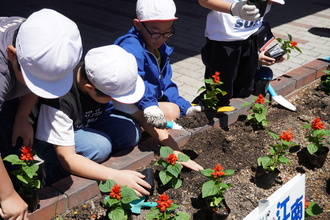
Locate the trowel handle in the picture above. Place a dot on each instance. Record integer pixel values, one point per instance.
(271, 90)
(149, 204)
(169, 124)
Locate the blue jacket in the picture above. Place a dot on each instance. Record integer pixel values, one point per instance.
(157, 79)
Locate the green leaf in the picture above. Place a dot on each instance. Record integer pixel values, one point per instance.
(312, 148)
(273, 135)
(117, 213)
(128, 195)
(13, 159)
(209, 188)
(107, 186)
(182, 216)
(174, 169)
(183, 157)
(207, 172)
(313, 209)
(164, 177)
(152, 215)
(165, 151)
(30, 170)
(176, 183)
(229, 172)
(284, 160)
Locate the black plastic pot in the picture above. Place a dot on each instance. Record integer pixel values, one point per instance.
(210, 114)
(32, 199)
(220, 214)
(264, 178)
(261, 5)
(318, 159)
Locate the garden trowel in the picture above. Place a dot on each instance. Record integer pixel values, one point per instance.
(173, 125)
(137, 204)
(280, 99)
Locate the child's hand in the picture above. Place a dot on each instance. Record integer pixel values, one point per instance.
(265, 60)
(155, 117)
(193, 109)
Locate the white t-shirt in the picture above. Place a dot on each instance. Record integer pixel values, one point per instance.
(55, 127)
(225, 27)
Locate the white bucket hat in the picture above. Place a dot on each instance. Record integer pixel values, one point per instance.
(48, 47)
(155, 10)
(114, 72)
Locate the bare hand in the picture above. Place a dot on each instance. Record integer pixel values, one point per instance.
(13, 208)
(23, 129)
(133, 180)
(190, 163)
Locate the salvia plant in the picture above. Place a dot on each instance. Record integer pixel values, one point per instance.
(312, 209)
(212, 90)
(165, 210)
(277, 151)
(325, 84)
(258, 111)
(172, 168)
(288, 45)
(214, 189)
(27, 173)
(316, 137)
(118, 201)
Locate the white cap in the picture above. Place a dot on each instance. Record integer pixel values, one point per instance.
(282, 2)
(155, 10)
(114, 72)
(48, 47)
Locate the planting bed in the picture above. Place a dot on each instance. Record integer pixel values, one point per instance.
(238, 147)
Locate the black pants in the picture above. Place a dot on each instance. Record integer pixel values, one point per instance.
(237, 63)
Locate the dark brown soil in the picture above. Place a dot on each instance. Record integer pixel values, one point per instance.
(238, 147)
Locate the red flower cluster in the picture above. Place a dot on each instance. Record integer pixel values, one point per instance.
(287, 135)
(217, 171)
(115, 192)
(260, 99)
(306, 204)
(163, 202)
(216, 77)
(26, 154)
(293, 43)
(317, 124)
(171, 159)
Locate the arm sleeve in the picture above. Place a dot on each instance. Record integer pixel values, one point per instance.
(54, 127)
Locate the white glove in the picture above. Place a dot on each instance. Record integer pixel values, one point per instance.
(193, 109)
(155, 117)
(244, 11)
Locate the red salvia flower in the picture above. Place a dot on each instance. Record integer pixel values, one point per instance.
(293, 43)
(306, 204)
(287, 135)
(115, 192)
(216, 77)
(171, 159)
(163, 202)
(317, 124)
(26, 154)
(260, 99)
(217, 171)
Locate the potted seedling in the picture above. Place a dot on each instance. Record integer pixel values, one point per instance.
(29, 176)
(213, 191)
(317, 150)
(267, 171)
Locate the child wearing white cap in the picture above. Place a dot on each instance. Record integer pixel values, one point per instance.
(38, 55)
(75, 133)
(231, 47)
(161, 101)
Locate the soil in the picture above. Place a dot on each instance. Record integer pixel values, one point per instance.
(237, 147)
